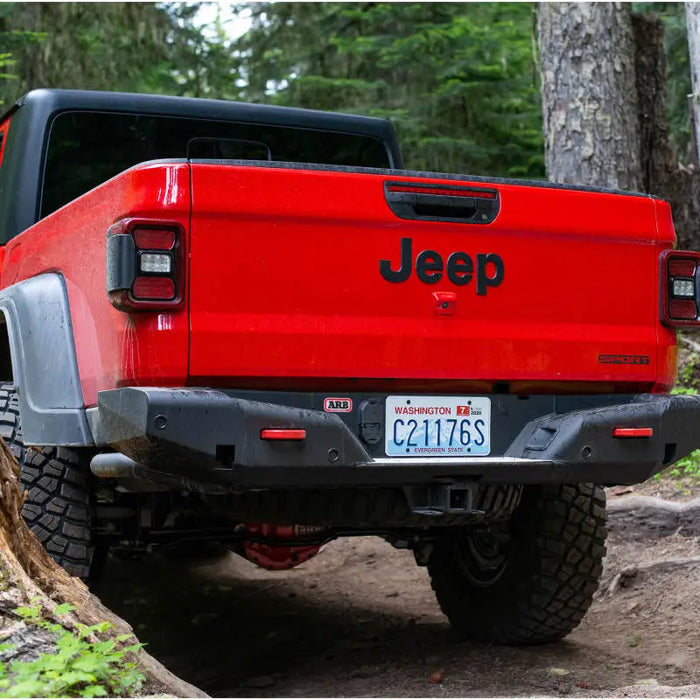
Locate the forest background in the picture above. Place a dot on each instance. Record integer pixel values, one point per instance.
(460, 81)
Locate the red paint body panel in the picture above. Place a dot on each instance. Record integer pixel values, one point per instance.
(4, 128)
(285, 287)
(113, 349)
(667, 353)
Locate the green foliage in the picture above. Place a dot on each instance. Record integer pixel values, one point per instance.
(684, 390)
(458, 80)
(96, 46)
(78, 667)
(687, 469)
(685, 473)
(202, 63)
(687, 382)
(12, 40)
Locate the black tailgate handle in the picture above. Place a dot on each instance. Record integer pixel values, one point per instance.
(456, 203)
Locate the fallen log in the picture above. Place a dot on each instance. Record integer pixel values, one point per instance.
(28, 576)
(647, 517)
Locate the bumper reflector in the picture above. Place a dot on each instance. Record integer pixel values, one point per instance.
(633, 432)
(282, 434)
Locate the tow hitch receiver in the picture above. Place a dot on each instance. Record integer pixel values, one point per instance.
(438, 499)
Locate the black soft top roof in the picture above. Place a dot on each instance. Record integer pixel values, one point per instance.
(50, 101)
(23, 161)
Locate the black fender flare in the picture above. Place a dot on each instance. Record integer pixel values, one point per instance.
(44, 362)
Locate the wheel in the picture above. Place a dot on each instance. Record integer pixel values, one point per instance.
(57, 505)
(528, 580)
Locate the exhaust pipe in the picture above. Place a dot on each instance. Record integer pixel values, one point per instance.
(115, 465)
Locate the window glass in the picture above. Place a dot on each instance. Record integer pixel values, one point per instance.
(87, 148)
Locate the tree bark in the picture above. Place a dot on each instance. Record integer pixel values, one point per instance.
(604, 104)
(591, 123)
(692, 15)
(661, 174)
(28, 574)
(655, 156)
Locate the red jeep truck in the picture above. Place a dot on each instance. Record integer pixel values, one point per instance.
(250, 324)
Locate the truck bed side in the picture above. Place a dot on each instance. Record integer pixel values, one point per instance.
(113, 349)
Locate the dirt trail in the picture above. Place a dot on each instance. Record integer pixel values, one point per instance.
(361, 620)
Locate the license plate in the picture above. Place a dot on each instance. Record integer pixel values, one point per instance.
(438, 426)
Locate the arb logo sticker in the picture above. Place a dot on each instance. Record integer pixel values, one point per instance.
(336, 405)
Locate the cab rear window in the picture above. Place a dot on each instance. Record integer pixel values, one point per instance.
(88, 148)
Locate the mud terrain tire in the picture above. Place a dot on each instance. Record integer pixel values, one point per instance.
(57, 507)
(532, 580)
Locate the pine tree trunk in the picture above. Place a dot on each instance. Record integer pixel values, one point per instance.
(29, 576)
(650, 78)
(662, 176)
(684, 192)
(692, 15)
(591, 125)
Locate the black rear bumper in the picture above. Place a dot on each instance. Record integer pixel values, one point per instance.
(211, 437)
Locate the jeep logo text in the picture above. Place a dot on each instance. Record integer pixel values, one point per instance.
(460, 268)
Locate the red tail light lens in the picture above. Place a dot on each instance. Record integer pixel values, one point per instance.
(681, 267)
(682, 310)
(680, 288)
(153, 288)
(154, 239)
(145, 265)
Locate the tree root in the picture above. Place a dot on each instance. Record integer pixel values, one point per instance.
(623, 578)
(646, 517)
(27, 573)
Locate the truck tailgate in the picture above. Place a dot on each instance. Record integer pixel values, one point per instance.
(286, 284)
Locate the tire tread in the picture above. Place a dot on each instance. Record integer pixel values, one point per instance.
(56, 507)
(558, 544)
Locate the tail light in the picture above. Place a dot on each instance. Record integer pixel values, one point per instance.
(145, 265)
(680, 288)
